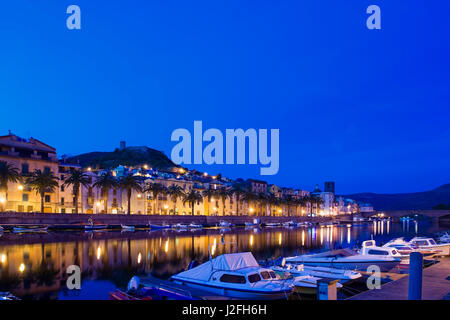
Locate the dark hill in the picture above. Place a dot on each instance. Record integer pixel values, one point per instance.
(407, 201)
(131, 156)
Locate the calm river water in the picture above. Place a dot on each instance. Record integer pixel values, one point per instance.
(34, 266)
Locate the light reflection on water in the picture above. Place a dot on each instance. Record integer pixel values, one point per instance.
(33, 266)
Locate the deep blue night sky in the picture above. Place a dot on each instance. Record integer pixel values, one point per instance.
(366, 108)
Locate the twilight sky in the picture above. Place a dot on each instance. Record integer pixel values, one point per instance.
(368, 109)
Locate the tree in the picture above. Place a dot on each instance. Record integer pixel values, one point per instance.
(239, 191)
(8, 173)
(175, 192)
(272, 200)
(192, 197)
(209, 194)
(156, 189)
(262, 201)
(42, 182)
(223, 194)
(250, 198)
(106, 182)
(76, 179)
(130, 183)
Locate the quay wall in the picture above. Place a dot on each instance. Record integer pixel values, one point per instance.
(12, 218)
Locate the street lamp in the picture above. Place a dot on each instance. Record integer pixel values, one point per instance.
(2, 203)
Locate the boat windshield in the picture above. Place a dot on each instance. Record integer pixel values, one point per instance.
(265, 275)
(432, 241)
(232, 278)
(255, 277)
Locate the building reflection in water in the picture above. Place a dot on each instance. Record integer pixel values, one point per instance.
(35, 265)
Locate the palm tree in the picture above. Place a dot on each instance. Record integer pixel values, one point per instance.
(192, 197)
(106, 182)
(129, 183)
(239, 191)
(272, 200)
(156, 189)
(76, 179)
(249, 197)
(208, 194)
(8, 173)
(262, 200)
(175, 192)
(43, 182)
(223, 194)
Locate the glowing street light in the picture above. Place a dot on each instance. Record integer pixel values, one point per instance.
(20, 187)
(22, 267)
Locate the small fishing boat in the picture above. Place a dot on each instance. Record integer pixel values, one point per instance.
(193, 225)
(225, 224)
(346, 259)
(319, 272)
(90, 227)
(127, 228)
(137, 292)
(272, 224)
(289, 224)
(23, 229)
(156, 226)
(180, 226)
(236, 275)
(7, 296)
(254, 223)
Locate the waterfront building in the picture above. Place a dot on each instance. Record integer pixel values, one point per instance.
(258, 197)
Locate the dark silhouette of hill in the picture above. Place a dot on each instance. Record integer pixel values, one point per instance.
(130, 156)
(407, 201)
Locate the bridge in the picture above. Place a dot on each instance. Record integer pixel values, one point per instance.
(437, 215)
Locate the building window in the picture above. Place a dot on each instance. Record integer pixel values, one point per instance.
(62, 177)
(62, 201)
(47, 170)
(25, 197)
(25, 168)
(62, 188)
(47, 198)
(63, 210)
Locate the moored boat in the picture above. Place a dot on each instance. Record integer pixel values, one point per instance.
(127, 228)
(193, 225)
(289, 224)
(320, 272)
(236, 275)
(272, 224)
(442, 249)
(157, 226)
(7, 296)
(254, 223)
(23, 229)
(225, 224)
(346, 259)
(89, 227)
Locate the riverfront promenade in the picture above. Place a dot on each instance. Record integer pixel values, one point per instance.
(21, 218)
(435, 285)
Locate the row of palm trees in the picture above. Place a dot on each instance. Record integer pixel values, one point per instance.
(45, 182)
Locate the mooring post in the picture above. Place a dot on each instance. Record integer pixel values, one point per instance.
(327, 289)
(415, 276)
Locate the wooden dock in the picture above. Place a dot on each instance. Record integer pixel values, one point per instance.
(435, 285)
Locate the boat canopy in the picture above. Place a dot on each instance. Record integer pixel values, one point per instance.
(225, 262)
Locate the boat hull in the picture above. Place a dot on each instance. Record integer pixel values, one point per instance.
(384, 266)
(237, 293)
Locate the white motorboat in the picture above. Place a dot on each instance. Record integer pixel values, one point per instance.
(443, 249)
(225, 224)
(319, 272)
(127, 228)
(346, 259)
(180, 226)
(7, 296)
(369, 247)
(157, 226)
(272, 224)
(23, 229)
(193, 225)
(405, 248)
(236, 275)
(289, 224)
(254, 223)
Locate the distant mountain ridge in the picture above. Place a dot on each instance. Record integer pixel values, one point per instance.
(130, 156)
(408, 201)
